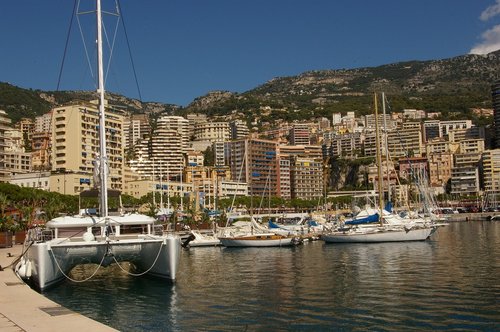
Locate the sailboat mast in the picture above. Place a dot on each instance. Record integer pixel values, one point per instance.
(102, 123)
(379, 160)
(386, 149)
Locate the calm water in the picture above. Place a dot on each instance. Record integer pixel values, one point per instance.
(451, 282)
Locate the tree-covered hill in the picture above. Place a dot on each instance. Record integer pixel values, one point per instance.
(448, 85)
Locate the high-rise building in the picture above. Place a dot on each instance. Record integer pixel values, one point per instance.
(75, 144)
(490, 161)
(495, 96)
(135, 128)
(212, 131)
(4, 126)
(306, 178)
(255, 161)
(165, 150)
(300, 134)
(239, 129)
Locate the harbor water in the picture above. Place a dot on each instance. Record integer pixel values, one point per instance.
(450, 282)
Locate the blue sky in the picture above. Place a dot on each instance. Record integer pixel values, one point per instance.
(183, 49)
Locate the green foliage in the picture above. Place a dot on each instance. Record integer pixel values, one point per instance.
(209, 157)
(51, 203)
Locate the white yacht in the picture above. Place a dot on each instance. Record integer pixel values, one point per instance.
(103, 239)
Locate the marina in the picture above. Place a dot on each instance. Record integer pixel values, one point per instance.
(447, 282)
(288, 207)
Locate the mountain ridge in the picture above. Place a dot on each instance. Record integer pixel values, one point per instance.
(453, 84)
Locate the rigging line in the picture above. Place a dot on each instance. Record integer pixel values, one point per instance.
(66, 46)
(111, 45)
(144, 272)
(85, 45)
(129, 49)
(75, 280)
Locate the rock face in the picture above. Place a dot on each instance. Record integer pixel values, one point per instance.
(213, 97)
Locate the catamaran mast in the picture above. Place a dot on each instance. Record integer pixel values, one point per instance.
(102, 123)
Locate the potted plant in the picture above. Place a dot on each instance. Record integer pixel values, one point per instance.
(6, 228)
(5, 223)
(23, 223)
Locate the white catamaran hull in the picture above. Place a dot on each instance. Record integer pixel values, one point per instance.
(398, 235)
(48, 263)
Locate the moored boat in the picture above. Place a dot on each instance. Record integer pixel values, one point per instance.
(197, 239)
(66, 242)
(259, 240)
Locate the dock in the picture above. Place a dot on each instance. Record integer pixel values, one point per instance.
(24, 309)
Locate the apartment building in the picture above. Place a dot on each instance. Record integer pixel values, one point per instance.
(495, 97)
(450, 125)
(255, 161)
(40, 150)
(4, 126)
(284, 185)
(75, 146)
(219, 150)
(300, 134)
(347, 145)
(440, 165)
(135, 128)
(306, 151)
(212, 131)
(440, 145)
(26, 127)
(490, 165)
(306, 178)
(166, 149)
(38, 180)
(432, 130)
(383, 122)
(43, 123)
(465, 174)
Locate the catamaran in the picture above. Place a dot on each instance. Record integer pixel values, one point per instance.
(103, 239)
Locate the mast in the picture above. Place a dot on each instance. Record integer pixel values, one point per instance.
(379, 161)
(386, 149)
(102, 122)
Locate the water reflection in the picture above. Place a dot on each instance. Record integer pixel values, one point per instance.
(450, 282)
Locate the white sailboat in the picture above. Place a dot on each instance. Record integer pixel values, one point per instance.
(390, 227)
(102, 239)
(255, 235)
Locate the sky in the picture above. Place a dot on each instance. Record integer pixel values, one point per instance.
(183, 49)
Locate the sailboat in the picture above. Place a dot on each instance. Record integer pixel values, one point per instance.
(255, 235)
(252, 234)
(65, 242)
(390, 226)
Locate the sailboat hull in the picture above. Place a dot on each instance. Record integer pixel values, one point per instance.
(261, 240)
(374, 236)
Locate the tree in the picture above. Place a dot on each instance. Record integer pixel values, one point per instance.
(209, 157)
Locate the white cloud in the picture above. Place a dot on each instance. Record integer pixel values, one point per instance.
(491, 11)
(490, 41)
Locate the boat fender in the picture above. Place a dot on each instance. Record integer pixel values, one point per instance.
(88, 237)
(28, 269)
(20, 269)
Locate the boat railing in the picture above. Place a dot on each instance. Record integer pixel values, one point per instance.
(158, 230)
(37, 234)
